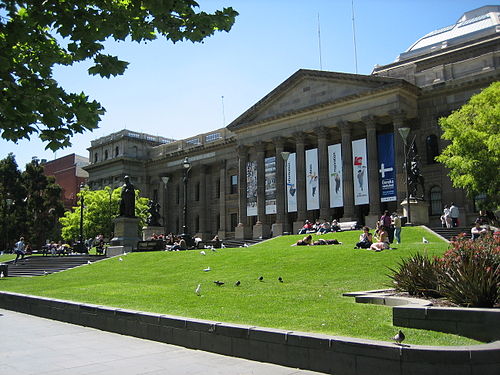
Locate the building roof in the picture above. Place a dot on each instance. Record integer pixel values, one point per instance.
(471, 25)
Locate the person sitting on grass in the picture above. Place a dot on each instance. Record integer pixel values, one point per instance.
(307, 240)
(365, 239)
(335, 226)
(382, 239)
(324, 228)
(477, 230)
(308, 227)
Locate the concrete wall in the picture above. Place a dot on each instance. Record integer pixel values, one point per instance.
(316, 352)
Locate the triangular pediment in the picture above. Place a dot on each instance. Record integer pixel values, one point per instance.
(309, 89)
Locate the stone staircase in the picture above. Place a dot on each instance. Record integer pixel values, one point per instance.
(44, 265)
(448, 233)
(231, 242)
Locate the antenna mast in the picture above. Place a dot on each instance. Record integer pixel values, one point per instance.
(354, 39)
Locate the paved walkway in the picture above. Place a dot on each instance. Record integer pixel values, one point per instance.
(33, 345)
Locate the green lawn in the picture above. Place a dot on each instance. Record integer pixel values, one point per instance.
(310, 298)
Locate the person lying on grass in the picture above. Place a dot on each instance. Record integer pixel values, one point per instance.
(322, 241)
(307, 240)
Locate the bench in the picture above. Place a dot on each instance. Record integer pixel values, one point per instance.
(347, 225)
(150, 245)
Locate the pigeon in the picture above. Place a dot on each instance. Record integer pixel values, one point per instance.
(245, 245)
(203, 252)
(120, 259)
(261, 278)
(237, 283)
(1, 275)
(213, 249)
(89, 262)
(45, 273)
(218, 283)
(400, 336)
(207, 269)
(280, 279)
(425, 240)
(198, 289)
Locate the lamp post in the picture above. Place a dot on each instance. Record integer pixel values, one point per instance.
(80, 244)
(404, 132)
(285, 155)
(165, 180)
(8, 204)
(187, 167)
(110, 219)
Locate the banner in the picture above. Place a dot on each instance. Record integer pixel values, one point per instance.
(270, 168)
(335, 173)
(291, 183)
(312, 179)
(360, 172)
(252, 188)
(387, 180)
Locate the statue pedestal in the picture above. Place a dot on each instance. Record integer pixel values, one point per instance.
(261, 231)
(419, 211)
(147, 232)
(126, 229)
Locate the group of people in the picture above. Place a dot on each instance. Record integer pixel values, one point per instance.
(449, 218)
(55, 248)
(176, 243)
(320, 228)
(308, 241)
(485, 222)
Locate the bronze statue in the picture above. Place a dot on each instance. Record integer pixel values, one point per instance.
(415, 178)
(127, 203)
(154, 214)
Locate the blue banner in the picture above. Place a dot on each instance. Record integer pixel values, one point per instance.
(387, 171)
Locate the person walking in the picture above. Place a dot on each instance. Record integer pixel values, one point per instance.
(396, 222)
(19, 249)
(454, 213)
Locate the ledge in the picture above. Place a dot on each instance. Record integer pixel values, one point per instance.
(315, 352)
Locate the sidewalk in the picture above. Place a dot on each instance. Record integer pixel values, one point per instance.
(33, 345)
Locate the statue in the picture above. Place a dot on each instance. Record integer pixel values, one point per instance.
(154, 214)
(415, 178)
(127, 203)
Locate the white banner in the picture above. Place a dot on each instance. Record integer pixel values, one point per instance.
(270, 167)
(252, 188)
(360, 172)
(291, 183)
(335, 173)
(312, 179)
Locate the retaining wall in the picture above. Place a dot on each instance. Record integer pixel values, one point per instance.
(328, 354)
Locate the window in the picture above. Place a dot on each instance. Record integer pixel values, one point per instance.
(217, 188)
(155, 195)
(95, 158)
(234, 222)
(105, 154)
(432, 149)
(117, 151)
(197, 192)
(436, 200)
(177, 194)
(234, 184)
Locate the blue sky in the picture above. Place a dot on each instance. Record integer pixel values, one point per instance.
(176, 91)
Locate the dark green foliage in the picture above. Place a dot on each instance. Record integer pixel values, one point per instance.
(35, 36)
(470, 272)
(417, 275)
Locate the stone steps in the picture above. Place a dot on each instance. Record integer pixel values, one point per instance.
(44, 265)
(449, 233)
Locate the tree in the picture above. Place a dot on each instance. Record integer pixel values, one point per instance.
(36, 35)
(100, 208)
(43, 204)
(473, 156)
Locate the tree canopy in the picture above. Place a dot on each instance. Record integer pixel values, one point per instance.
(473, 155)
(37, 35)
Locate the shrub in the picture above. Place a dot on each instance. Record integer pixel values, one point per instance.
(470, 272)
(417, 275)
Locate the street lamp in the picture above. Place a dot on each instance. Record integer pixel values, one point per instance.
(80, 246)
(110, 221)
(285, 155)
(165, 180)
(187, 167)
(404, 132)
(8, 202)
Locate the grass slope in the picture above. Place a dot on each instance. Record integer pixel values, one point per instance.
(310, 298)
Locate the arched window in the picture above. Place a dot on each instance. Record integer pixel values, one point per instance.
(436, 200)
(432, 149)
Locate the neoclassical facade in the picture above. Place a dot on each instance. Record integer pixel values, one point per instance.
(321, 145)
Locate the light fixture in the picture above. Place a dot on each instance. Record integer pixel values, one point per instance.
(285, 155)
(186, 163)
(165, 180)
(404, 133)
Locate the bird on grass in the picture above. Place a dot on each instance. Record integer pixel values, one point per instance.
(261, 278)
(207, 269)
(400, 336)
(218, 283)
(120, 259)
(203, 252)
(1, 275)
(45, 273)
(425, 240)
(89, 262)
(237, 283)
(280, 279)
(198, 290)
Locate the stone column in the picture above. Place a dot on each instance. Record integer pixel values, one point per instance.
(281, 216)
(301, 180)
(324, 183)
(261, 229)
(398, 120)
(203, 213)
(346, 135)
(222, 199)
(373, 170)
(243, 231)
